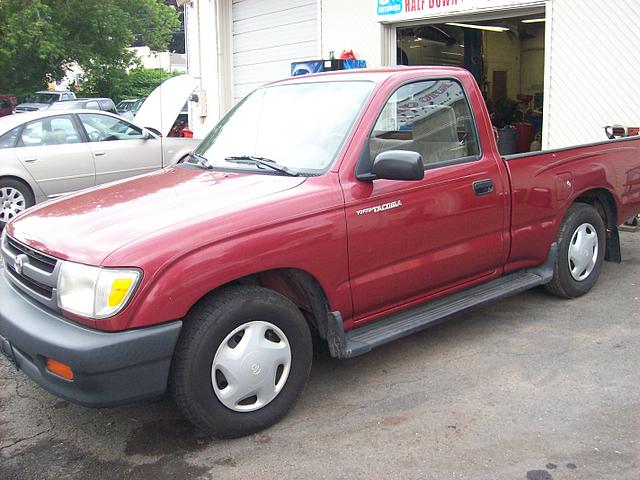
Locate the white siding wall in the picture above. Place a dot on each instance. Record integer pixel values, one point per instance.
(352, 25)
(594, 69)
(267, 37)
(202, 55)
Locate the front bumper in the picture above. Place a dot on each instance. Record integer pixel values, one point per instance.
(109, 368)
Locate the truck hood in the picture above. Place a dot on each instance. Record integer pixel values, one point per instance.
(87, 226)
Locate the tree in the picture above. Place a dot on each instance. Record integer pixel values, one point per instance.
(119, 85)
(142, 81)
(40, 37)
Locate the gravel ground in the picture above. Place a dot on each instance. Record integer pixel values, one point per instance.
(532, 387)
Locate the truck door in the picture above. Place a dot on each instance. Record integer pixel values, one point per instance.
(410, 239)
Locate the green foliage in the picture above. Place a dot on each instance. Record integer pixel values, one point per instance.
(117, 85)
(40, 36)
(142, 81)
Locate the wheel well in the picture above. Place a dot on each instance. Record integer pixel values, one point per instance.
(299, 287)
(602, 200)
(18, 179)
(22, 182)
(604, 203)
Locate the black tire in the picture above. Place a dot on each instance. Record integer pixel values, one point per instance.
(563, 283)
(20, 187)
(205, 328)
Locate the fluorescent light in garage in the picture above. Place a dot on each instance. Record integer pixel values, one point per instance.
(489, 28)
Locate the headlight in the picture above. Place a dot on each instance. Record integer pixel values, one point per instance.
(93, 291)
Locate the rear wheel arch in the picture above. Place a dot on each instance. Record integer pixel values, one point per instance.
(605, 204)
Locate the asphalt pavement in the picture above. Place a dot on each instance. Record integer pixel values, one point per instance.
(532, 387)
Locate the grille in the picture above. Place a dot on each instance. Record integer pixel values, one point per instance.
(43, 262)
(39, 288)
(31, 271)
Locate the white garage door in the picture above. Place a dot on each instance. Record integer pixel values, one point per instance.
(267, 37)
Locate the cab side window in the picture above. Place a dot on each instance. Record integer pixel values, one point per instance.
(432, 118)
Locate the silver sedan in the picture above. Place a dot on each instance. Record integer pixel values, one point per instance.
(50, 153)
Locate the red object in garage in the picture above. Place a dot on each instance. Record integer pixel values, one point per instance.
(523, 136)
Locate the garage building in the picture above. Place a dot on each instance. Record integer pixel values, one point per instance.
(557, 70)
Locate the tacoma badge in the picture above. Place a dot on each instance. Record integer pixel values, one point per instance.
(380, 208)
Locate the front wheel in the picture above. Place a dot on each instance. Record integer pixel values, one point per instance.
(581, 246)
(242, 360)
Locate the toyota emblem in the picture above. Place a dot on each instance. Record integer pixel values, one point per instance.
(18, 263)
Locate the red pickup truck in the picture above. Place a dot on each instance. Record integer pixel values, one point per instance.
(357, 207)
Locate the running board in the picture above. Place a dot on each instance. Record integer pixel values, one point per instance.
(363, 339)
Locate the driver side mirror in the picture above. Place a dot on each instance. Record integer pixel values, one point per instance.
(398, 165)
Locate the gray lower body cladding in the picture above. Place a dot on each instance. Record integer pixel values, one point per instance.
(109, 368)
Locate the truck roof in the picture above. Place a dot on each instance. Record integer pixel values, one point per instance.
(377, 75)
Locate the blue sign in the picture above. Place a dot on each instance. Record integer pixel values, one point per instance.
(389, 7)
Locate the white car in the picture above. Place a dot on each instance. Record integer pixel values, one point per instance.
(46, 154)
(429, 45)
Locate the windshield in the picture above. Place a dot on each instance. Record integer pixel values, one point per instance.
(43, 97)
(300, 126)
(127, 105)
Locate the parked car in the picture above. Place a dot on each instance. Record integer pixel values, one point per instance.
(380, 208)
(428, 45)
(104, 104)
(43, 99)
(50, 153)
(7, 104)
(129, 108)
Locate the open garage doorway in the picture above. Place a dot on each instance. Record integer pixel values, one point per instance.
(506, 56)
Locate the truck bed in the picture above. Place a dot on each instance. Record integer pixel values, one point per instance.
(545, 183)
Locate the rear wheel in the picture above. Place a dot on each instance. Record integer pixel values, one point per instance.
(15, 197)
(242, 360)
(581, 246)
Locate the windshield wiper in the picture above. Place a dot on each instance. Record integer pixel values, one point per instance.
(265, 162)
(202, 161)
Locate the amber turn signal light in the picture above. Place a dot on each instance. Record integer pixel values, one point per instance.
(60, 369)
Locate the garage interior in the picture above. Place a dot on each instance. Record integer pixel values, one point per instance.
(506, 57)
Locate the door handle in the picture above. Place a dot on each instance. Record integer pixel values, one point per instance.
(30, 159)
(483, 187)
(99, 154)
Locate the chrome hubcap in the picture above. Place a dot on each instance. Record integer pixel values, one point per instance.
(12, 202)
(583, 252)
(251, 366)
